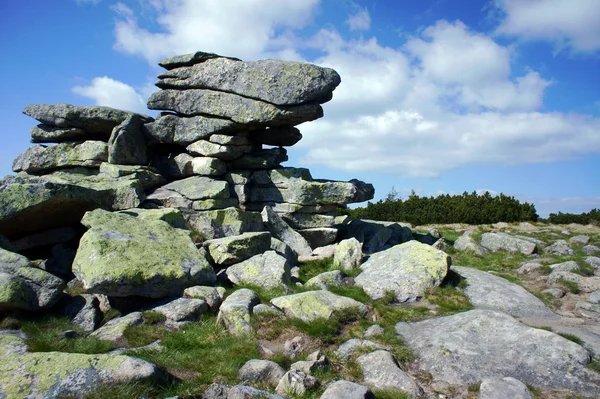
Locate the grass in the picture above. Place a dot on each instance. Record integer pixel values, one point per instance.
(572, 286)
(134, 390)
(594, 365)
(390, 394)
(572, 338)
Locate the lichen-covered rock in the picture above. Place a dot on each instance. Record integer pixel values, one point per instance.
(343, 389)
(95, 120)
(585, 284)
(261, 371)
(314, 305)
(569, 266)
(184, 165)
(25, 287)
(114, 330)
(148, 177)
(203, 148)
(172, 216)
(268, 270)
(220, 391)
(407, 270)
(467, 347)
(281, 230)
(185, 60)
(193, 189)
(226, 222)
(236, 310)
(274, 81)
(234, 249)
(213, 296)
(502, 388)
(182, 311)
(40, 158)
(350, 347)
(466, 243)
(231, 106)
(333, 278)
(51, 134)
(122, 255)
(559, 247)
(504, 242)
(381, 371)
(83, 311)
(30, 204)
(170, 128)
(127, 145)
(348, 254)
(57, 374)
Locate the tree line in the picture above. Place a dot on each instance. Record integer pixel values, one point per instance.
(591, 217)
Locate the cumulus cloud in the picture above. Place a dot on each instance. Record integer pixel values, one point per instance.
(112, 93)
(242, 28)
(569, 24)
(359, 21)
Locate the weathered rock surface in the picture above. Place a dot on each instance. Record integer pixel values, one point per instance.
(333, 278)
(467, 347)
(181, 311)
(172, 216)
(59, 374)
(40, 158)
(170, 128)
(226, 222)
(185, 165)
(220, 391)
(50, 134)
(381, 371)
(580, 240)
(348, 254)
(281, 230)
(559, 247)
(314, 305)
(319, 237)
(204, 148)
(231, 106)
(261, 371)
(191, 189)
(585, 284)
(93, 119)
(467, 243)
(486, 291)
(213, 296)
(236, 309)
(127, 145)
(591, 249)
(234, 249)
(350, 347)
(114, 330)
(83, 311)
(274, 81)
(30, 204)
(295, 383)
(25, 287)
(264, 159)
(268, 270)
(184, 60)
(122, 255)
(504, 242)
(502, 388)
(347, 390)
(407, 270)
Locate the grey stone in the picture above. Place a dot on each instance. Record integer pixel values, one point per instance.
(213, 296)
(281, 230)
(234, 107)
(407, 270)
(234, 249)
(203, 148)
(169, 128)
(195, 188)
(467, 347)
(319, 237)
(284, 250)
(381, 371)
(263, 159)
(127, 145)
(299, 220)
(594, 297)
(592, 307)
(122, 255)
(220, 391)
(529, 267)
(25, 287)
(148, 177)
(314, 305)
(559, 247)
(441, 244)
(95, 120)
(593, 261)
(585, 284)
(580, 240)
(324, 280)
(61, 375)
(224, 222)
(348, 254)
(502, 388)
(325, 252)
(343, 389)
(354, 345)
(269, 270)
(568, 266)
(261, 371)
(504, 242)
(237, 138)
(114, 330)
(185, 60)
(50, 134)
(555, 292)
(182, 311)
(467, 243)
(591, 249)
(282, 136)
(295, 383)
(236, 309)
(486, 291)
(40, 158)
(374, 331)
(83, 311)
(274, 81)
(262, 309)
(172, 216)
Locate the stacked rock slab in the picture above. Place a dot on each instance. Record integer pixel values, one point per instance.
(220, 114)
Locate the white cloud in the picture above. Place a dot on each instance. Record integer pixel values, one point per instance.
(360, 21)
(242, 28)
(112, 93)
(569, 24)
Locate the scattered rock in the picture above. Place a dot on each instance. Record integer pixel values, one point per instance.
(220, 391)
(347, 390)
(182, 311)
(334, 278)
(585, 284)
(235, 311)
(467, 243)
(350, 347)
(261, 371)
(569, 266)
(374, 331)
(559, 247)
(555, 292)
(83, 311)
(591, 249)
(594, 297)
(114, 330)
(579, 240)
(504, 242)
(381, 371)
(502, 388)
(314, 305)
(295, 383)
(348, 254)
(213, 296)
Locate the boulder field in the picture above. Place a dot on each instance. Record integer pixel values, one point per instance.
(176, 255)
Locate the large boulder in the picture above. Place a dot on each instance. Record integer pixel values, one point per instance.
(25, 287)
(504, 242)
(60, 375)
(486, 291)
(122, 255)
(170, 128)
(230, 250)
(268, 270)
(465, 348)
(407, 270)
(315, 305)
(274, 81)
(281, 230)
(40, 158)
(231, 106)
(30, 204)
(95, 120)
(114, 330)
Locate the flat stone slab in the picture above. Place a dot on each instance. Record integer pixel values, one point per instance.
(39, 158)
(465, 348)
(505, 242)
(486, 291)
(314, 305)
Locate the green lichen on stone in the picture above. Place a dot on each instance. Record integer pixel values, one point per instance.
(314, 305)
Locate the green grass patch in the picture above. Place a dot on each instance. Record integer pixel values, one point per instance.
(134, 390)
(354, 292)
(572, 286)
(152, 317)
(450, 300)
(450, 235)
(143, 334)
(594, 365)
(572, 338)
(500, 262)
(112, 313)
(313, 268)
(390, 394)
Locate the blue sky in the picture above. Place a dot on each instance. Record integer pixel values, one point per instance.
(439, 96)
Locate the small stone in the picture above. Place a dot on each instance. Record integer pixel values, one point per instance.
(569, 266)
(324, 280)
(594, 297)
(580, 240)
(295, 383)
(559, 247)
(269, 270)
(555, 292)
(261, 371)
(350, 347)
(347, 390)
(590, 249)
(374, 331)
(380, 370)
(114, 330)
(213, 296)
